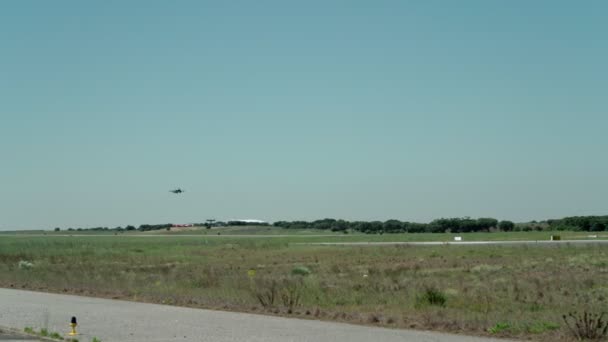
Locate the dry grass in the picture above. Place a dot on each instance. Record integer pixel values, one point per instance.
(505, 291)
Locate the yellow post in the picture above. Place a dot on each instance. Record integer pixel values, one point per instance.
(251, 274)
(73, 325)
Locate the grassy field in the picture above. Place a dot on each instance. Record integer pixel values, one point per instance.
(510, 291)
(316, 235)
(232, 230)
(242, 230)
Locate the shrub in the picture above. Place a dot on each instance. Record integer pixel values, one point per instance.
(300, 270)
(506, 226)
(587, 326)
(291, 293)
(432, 296)
(269, 291)
(25, 265)
(266, 291)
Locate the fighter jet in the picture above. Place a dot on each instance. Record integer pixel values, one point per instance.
(177, 191)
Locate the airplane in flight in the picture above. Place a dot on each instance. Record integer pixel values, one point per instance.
(177, 191)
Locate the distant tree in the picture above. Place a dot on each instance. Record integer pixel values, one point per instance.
(467, 225)
(485, 223)
(129, 227)
(376, 227)
(393, 226)
(454, 225)
(445, 224)
(364, 227)
(324, 224)
(416, 227)
(57, 229)
(339, 226)
(439, 226)
(598, 227)
(506, 226)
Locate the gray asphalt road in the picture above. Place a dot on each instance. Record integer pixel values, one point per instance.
(114, 320)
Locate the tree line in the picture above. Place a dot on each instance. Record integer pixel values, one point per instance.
(580, 223)
(442, 225)
(451, 225)
(454, 225)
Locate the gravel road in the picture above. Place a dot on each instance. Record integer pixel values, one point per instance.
(122, 321)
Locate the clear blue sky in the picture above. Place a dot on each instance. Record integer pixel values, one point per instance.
(277, 110)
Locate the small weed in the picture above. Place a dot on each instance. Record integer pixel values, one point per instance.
(535, 307)
(541, 327)
(56, 336)
(586, 326)
(95, 339)
(499, 327)
(43, 333)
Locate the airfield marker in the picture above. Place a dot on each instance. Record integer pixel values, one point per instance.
(251, 273)
(73, 325)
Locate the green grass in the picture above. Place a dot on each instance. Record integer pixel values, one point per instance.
(242, 230)
(313, 235)
(232, 230)
(43, 333)
(499, 328)
(470, 289)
